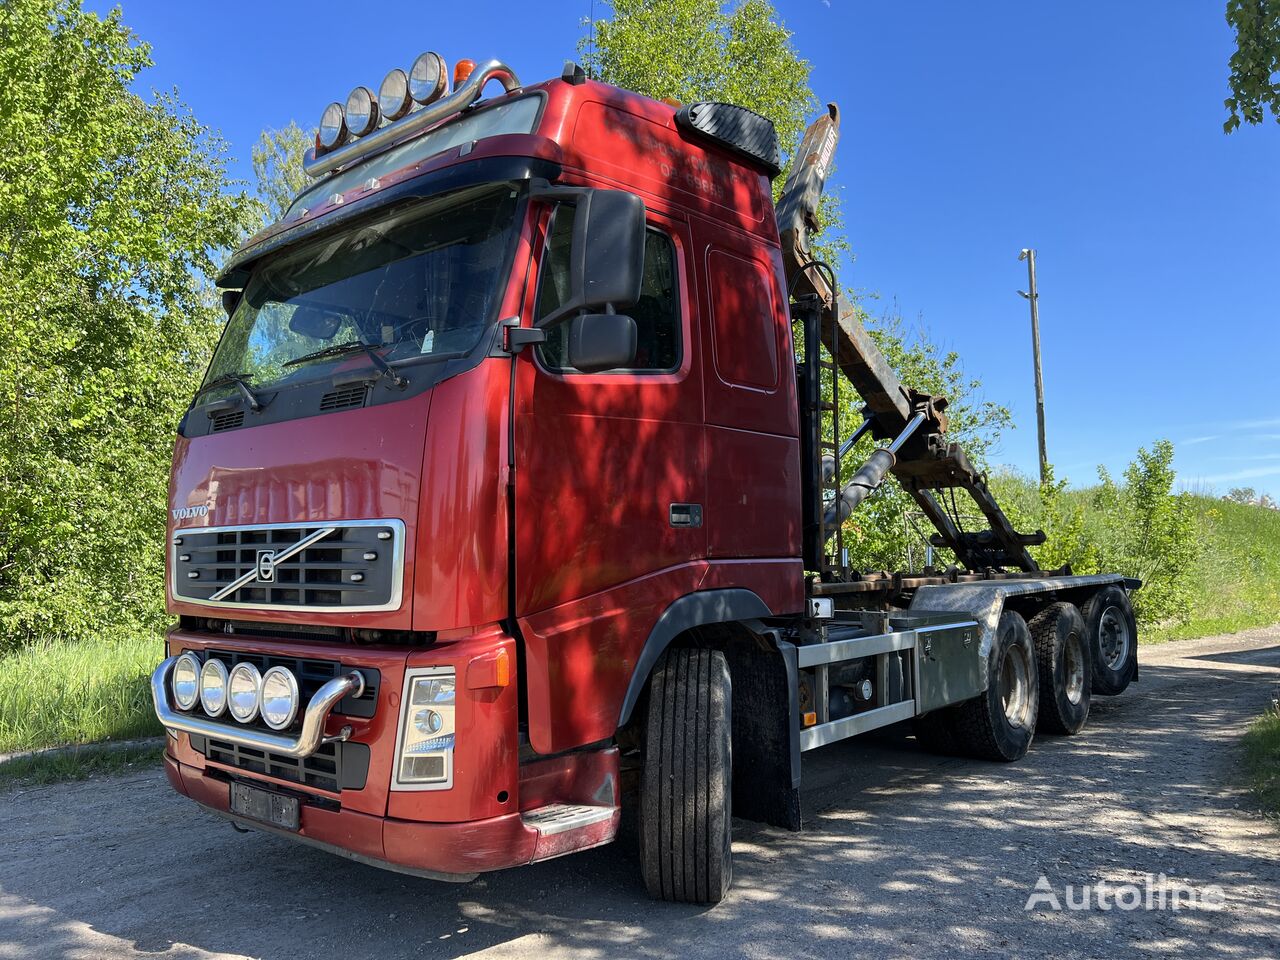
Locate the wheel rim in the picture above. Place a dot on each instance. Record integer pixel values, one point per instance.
(1073, 668)
(1113, 637)
(1015, 684)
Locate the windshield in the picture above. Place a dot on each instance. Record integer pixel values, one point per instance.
(422, 281)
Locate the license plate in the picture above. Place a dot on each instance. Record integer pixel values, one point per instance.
(265, 806)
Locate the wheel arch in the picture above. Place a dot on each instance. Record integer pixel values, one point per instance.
(701, 609)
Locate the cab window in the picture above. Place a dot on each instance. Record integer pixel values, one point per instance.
(656, 313)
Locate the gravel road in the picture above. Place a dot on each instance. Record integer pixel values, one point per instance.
(903, 855)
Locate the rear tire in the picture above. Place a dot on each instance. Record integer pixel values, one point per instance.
(1113, 640)
(1000, 723)
(686, 853)
(1066, 670)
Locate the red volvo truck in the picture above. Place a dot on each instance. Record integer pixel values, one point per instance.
(514, 487)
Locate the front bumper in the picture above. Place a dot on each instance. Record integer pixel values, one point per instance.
(498, 813)
(455, 852)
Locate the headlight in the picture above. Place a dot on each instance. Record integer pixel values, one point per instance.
(245, 687)
(213, 687)
(427, 730)
(279, 697)
(428, 77)
(185, 681)
(333, 127)
(393, 96)
(361, 112)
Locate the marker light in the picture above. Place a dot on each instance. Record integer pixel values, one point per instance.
(186, 681)
(361, 112)
(428, 77)
(213, 687)
(462, 71)
(244, 690)
(393, 96)
(279, 697)
(333, 127)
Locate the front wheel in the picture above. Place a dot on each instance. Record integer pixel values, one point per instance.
(1000, 723)
(686, 787)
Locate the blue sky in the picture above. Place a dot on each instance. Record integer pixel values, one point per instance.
(1091, 131)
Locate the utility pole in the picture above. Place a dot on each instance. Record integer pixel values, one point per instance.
(1029, 255)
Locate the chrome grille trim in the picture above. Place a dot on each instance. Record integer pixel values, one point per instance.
(353, 572)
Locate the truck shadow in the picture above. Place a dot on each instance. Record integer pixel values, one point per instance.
(903, 853)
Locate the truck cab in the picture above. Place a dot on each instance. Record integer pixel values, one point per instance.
(498, 468)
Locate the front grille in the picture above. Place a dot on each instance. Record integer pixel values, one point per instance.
(228, 421)
(356, 565)
(334, 767)
(344, 397)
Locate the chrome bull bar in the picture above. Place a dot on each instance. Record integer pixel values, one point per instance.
(308, 740)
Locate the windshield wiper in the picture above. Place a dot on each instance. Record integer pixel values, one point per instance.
(351, 346)
(242, 384)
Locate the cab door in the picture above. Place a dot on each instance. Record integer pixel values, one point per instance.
(610, 488)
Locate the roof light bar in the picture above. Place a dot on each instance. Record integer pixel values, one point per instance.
(317, 164)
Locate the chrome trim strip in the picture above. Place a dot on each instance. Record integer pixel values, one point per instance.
(416, 121)
(303, 745)
(397, 572)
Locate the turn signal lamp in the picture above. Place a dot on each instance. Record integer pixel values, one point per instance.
(462, 71)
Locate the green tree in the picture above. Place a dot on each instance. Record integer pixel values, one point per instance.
(112, 209)
(277, 168)
(1255, 65)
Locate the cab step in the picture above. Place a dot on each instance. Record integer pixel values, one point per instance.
(561, 817)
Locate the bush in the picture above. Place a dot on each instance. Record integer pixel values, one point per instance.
(1139, 528)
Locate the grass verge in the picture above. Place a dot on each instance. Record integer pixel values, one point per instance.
(1237, 584)
(78, 764)
(83, 692)
(1262, 759)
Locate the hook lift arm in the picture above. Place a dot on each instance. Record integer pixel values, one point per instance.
(919, 454)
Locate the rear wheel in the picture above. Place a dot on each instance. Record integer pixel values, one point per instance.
(1066, 673)
(1112, 633)
(686, 853)
(1000, 723)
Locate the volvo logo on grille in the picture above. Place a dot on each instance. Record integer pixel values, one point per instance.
(266, 566)
(190, 513)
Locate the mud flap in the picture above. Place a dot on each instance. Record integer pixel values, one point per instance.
(766, 733)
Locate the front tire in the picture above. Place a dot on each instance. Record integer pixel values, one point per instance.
(1066, 672)
(1000, 723)
(1112, 632)
(686, 854)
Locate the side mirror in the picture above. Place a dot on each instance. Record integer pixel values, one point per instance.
(611, 242)
(231, 300)
(606, 260)
(315, 322)
(601, 341)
